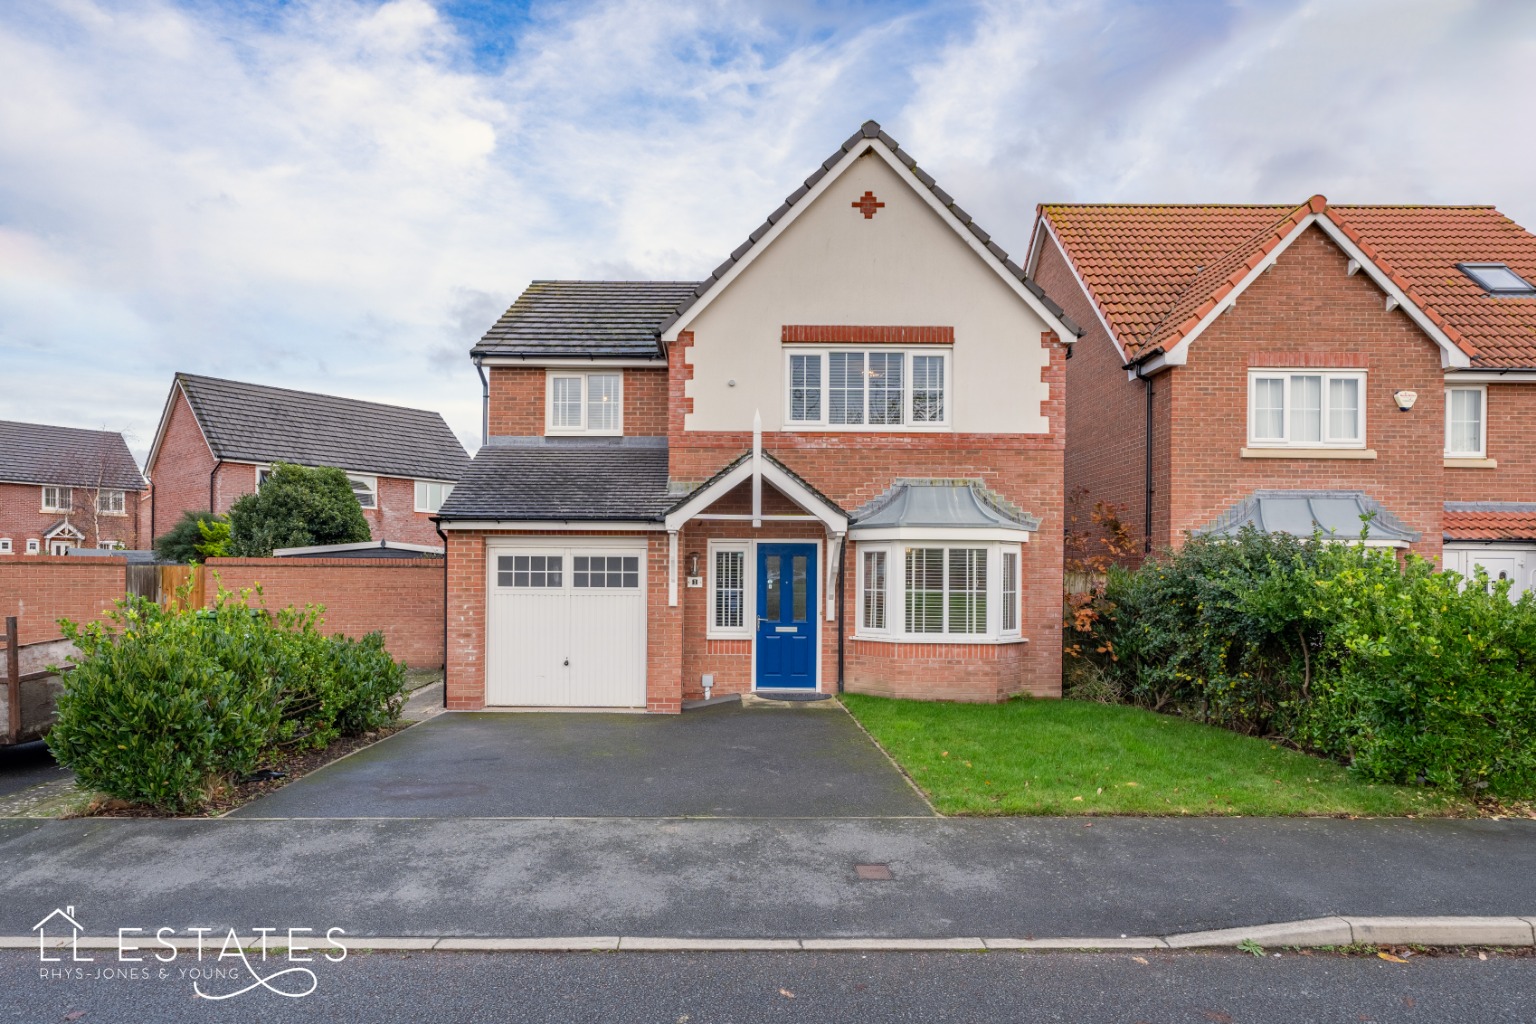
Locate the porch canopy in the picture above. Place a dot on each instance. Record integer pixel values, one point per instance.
(1337, 515)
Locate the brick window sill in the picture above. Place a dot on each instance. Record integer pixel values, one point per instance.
(1308, 453)
(1471, 463)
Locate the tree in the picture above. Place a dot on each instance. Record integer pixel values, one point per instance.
(186, 541)
(297, 507)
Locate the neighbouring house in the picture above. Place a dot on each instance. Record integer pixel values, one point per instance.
(1292, 368)
(217, 439)
(63, 488)
(835, 462)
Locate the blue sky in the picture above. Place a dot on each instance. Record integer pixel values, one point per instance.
(341, 195)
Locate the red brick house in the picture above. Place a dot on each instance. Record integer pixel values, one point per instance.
(64, 488)
(1292, 367)
(835, 463)
(217, 438)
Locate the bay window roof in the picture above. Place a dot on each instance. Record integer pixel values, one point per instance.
(943, 504)
(1336, 514)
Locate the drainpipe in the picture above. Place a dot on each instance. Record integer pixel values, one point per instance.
(485, 407)
(1147, 496)
(437, 524)
(842, 629)
(211, 474)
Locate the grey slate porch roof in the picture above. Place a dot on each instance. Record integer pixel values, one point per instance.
(39, 453)
(565, 479)
(257, 423)
(1336, 514)
(947, 504)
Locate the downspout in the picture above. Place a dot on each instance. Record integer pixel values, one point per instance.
(842, 629)
(437, 524)
(485, 408)
(212, 473)
(1147, 496)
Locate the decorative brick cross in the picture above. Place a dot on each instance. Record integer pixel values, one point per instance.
(867, 204)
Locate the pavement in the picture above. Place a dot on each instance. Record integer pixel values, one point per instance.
(723, 761)
(26, 765)
(745, 988)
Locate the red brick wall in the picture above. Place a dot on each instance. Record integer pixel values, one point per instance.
(41, 590)
(21, 517)
(1511, 413)
(180, 471)
(401, 597)
(518, 392)
(1308, 311)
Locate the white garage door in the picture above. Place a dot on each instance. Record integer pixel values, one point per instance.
(566, 626)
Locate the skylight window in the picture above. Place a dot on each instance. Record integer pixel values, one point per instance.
(1497, 279)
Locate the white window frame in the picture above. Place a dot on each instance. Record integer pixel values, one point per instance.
(896, 592)
(1482, 431)
(370, 482)
(110, 545)
(34, 546)
(944, 352)
(58, 547)
(65, 494)
(423, 487)
(5, 546)
(749, 596)
(122, 502)
(1285, 374)
(585, 376)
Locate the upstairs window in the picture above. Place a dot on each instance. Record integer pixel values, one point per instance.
(112, 503)
(875, 389)
(1465, 436)
(58, 499)
(1306, 409)
(584, 403)
(366, 488)
(430, 495)
(1497, 279)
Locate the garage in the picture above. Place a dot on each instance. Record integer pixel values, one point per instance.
(1500, 561)
(565, 625)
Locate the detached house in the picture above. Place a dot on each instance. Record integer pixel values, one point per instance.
(218, 438)
(64, 488)
(835, 463)
(1293, 368)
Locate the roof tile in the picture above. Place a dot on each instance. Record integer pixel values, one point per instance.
(39, 453)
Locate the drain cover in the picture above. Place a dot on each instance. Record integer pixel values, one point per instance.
(873, 872)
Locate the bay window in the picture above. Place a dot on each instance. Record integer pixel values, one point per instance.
(1465, 416)
(584, 403)
(1306, 409)
(871, 388)
(938, 592)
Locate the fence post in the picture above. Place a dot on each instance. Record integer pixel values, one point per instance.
(12, 679)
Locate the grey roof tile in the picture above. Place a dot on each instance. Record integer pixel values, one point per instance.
(256, 423)
(581, 479)
(38, 453)
(598, 319)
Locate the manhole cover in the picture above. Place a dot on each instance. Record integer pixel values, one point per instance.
(873, 872)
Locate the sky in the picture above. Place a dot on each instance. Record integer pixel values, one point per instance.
(342, 195)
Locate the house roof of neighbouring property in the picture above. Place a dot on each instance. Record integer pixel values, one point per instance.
(1154, 270)
(1334, 514)
(37, 453)
(1490, 520)
(617, 319)
(261, 424)
(586, 319)
(575, 479)
(957, 504)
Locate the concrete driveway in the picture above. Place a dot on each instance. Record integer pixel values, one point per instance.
(725, 761)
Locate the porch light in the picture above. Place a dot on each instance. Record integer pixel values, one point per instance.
(693, 563)
(1405, 399)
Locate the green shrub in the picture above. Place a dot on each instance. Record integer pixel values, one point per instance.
(164, 706)
(1404, 673)
(297, 506)
(189, 540)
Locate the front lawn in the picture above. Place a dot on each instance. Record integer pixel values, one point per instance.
(1069, 757)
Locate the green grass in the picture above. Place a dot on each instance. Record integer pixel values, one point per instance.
(1069, 757)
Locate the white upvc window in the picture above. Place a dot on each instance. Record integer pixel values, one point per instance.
(57, 499)
(1466, 422)
(584, 403)
(366, 488)
(939, 591)
(867, 389)
(60, 546)
(33, 546)
(112, 503)
(730, 590)
(1306, 408)
(430, 495)
(5, 546)
(110, 545)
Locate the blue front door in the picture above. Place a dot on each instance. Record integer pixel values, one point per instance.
(786, 616)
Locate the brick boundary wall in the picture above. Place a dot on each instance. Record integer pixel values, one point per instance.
(403, 597)
(40, 590)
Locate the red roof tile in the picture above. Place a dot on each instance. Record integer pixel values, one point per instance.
(1155, 271)
(1489, 525)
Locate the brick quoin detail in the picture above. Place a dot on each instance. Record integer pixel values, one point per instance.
(840, 334)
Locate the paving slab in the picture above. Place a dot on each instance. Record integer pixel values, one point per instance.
(726, 761)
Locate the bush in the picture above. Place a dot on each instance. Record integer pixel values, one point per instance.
(297, 506)
(1404, 673)
(188, 539)
(164, 707)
